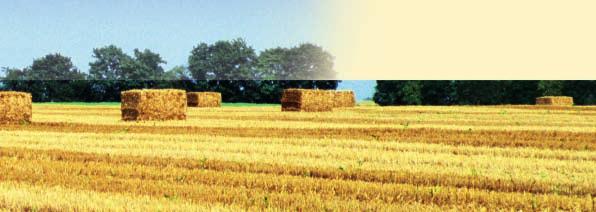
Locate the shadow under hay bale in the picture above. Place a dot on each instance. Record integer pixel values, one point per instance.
(344, 99)
(148, 104)
(15, 107)
(555, 100)
(203, 99)
(306, 100)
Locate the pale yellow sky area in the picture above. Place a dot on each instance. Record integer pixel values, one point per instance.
(463, 39)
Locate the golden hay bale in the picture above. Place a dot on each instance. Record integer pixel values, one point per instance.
(149, 104)
(203, 99)
(344, 99)
(15, 107)
(307, 100)
(555, 100)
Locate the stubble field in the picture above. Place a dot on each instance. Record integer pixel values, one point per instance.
(80, 157)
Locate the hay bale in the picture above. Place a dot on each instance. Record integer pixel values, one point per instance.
(15, 107)
(307, 100)
(148, 104)
(203, 99)
(344, 99)
(555, 100)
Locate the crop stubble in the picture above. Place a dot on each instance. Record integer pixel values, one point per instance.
(418, 165)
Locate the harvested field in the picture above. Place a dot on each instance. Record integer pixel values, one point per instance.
(410, 158)
(146, 105)
(203, 99)
(15, 107)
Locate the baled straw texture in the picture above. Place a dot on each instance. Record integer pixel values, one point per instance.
(149, 104)
(344, 99)
(555, 100)
(15, 107)
(307, 100)
(203, 99)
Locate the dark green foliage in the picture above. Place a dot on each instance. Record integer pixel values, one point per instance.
(398, 93)
(53, 77)
(306, 61)
(492, 92)
(582, 91)
(114, 71)
(438, 92)
(223, 60)
(386, 93)
(550, 88)
(234, 69)
(230, 67)
(471, 92)
(520, 92)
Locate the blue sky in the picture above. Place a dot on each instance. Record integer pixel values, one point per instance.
(33, 28)
(362, 88)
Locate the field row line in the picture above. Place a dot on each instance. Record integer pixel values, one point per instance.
(288, 192)
(487, 138)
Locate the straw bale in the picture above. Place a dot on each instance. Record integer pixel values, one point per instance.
(555, 100)
(150, 104)
(15, 107)
(203, 99)
(344, 99)
(307, 100)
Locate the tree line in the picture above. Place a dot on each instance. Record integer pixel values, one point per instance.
(230, 67)
(463, 92)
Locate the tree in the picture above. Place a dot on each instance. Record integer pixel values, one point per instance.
(180, 78)
(582, 91)
(298, 67)
(113, 71)
(144, 71)
(50, 78)
(398, 93)
(234, 60)
(177, 73)
(107, 72)
(438, 92)
(55, 78)
(14, 79)
(111, 63)
(520, 91)
(550, 88)
(224, 60)
(480, 92)
(145, 66)
(411, 93)
(311, 62)
(273, 64)
(108, 63)
(305, 62)
(54, 67)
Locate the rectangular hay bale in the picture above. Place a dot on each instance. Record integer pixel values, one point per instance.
(15, 107)
(153, 104)
(344, 99)
(307, 100)
(555, 100)
(203, 99)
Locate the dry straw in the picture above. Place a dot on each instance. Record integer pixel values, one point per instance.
(15, 107)
(148, 104)
(307, 100)
(555, 100)
(344, 99)
(203, 99)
